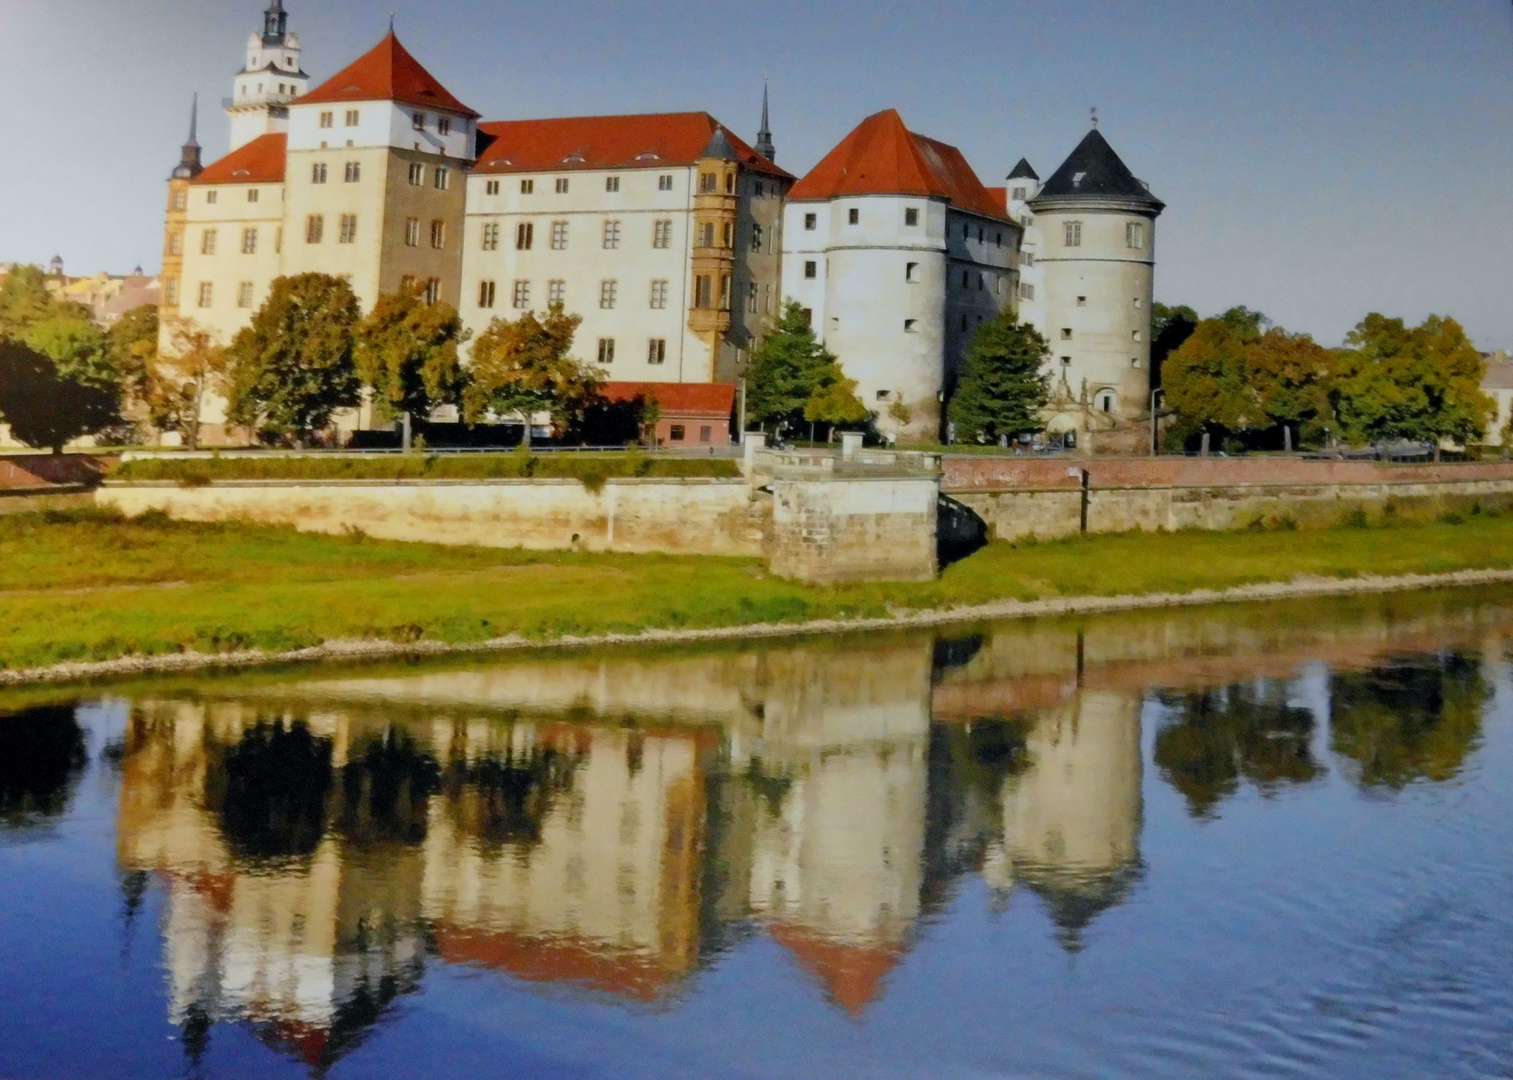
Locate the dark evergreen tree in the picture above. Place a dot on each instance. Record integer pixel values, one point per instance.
(794, 380)
(1003, 384)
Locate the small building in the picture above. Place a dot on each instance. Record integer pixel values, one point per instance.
(688, 414)
(1497, 384)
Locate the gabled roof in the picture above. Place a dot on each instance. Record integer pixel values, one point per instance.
(609, 142)
(852, 973)
(1094, 171)
(1023, 171)
(387, 73)
(259, 162)
(703, 400)
(883, 157)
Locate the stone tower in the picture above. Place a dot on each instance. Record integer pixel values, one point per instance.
(259, 104)
(188, 168)
(1095, 225)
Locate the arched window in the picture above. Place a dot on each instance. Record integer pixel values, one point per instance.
(1104, 402)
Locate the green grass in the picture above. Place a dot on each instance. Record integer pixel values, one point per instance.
(590, 468)
(90, 586)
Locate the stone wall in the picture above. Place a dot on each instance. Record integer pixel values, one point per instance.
(1042, 496)
(855, 528)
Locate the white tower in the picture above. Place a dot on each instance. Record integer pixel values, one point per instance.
(1096, 250)
(271, 79)
(1023, 185)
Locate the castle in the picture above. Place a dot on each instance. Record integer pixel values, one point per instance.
(676, 241)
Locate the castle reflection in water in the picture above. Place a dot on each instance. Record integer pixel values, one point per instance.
(612, 823)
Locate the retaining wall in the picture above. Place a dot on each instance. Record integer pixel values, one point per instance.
(855, 529)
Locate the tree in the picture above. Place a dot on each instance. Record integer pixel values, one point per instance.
(1170, 329)
(524, 367)
(1399, 382)
(46, 408)
(132, 348)
(793, 376)
(407, 352)
(1003, 384)
(24, 300)
(293, 366)
(1289, 379)
(196, 364)
(834, 401)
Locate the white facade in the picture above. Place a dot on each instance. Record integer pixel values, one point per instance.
(272, 79)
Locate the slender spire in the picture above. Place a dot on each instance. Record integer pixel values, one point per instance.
(764, 144)
(194, 120)
(189, 161)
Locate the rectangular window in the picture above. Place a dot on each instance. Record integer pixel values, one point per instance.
(407, 284)
(180, 200)
(438, 234)
(606, 350)
(1026, 291)
(207, 293)
(559, 236)
(249, 241)
(207, 242)
(556, 292)
(561, 185)
(353, 116)
(911, 326)
(175, 243)
(911, 272)
(1082, 301)
(706, 433)
(486, 294)
(608, 290)
(811, 269)
(854, 216)
(658, 295)
(756, 237)
(327, 119)
(664, 182)
(707, 183)
(1019, 194)
(348, 229)
(730, 183)
(759, 189)
(443, 125)
(521, 297)
(418, 121)
(491, 237)
(354, 172)
(417, 175)
(677, 432)
(1134, 235)
(318, 173)
(611, 183)
(244, 295)
(443, 174)
(525, 235)
(315, 228)
(811, 222)
(527, 187)
(1066, 333)
(171, 292)
(1134, 335)
(706, 234)
(210, 198)
(412, 232)
(751, 299)
(661, 234)
(703, 291)
(727, 235)
(491, 187)
(611, 234)
(1072, 233)
(911, 217)
(725, 292)
(656, 351)
(966, 279)
(433, 290)
(252, 195)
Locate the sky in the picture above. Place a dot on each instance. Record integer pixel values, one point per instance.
(1320, 159)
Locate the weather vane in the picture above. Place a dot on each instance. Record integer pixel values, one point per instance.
(1095, 116)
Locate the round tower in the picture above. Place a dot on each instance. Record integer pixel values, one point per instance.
(1097, 258)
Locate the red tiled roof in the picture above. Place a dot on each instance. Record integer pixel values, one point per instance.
(852, 973)
(883, 157)
(387, 73)
(558, 958)
(1000, 197)
(716, 400)
(609, 142)
(259, 162)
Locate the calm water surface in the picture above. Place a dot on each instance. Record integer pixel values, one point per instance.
(1263, 841)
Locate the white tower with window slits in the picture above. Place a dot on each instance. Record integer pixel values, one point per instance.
(272, 78)
(1093, 238)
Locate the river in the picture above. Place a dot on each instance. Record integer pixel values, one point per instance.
(1264, 840)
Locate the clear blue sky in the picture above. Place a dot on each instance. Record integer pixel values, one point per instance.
(1320, 158)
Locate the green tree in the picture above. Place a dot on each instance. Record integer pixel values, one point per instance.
(1003, 384)
(407, 352)
(1399, 382)
(196, 364)
(292, 368)
(24, 300)
(1171, 326)
(834, 401)
(526, 367)
(132, 347)
(46, 408)
(1410, 720)
(792, 375)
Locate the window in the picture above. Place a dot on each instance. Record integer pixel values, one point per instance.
(703, 291)
(354, 172)
(725, 292)
(244, 295)
(677, 432)
(556, 292)
(706, 433)
(1134, 235)
(521, 298)
(418, 121)
(348, 232)
(656, 351)
(664, 182)
(407, 284)
(438, 234)
(485, 294)
(728, 235)
(606, 350)
(1072, 231)
(249, 241)
(966, 279)
(207, 242)
(706, 234)
(1026, 291)
(210, 198)
(661, 234)
(353, 116)
(1134, 335)
(559, 236)
(811, 269)
(751, 298)
(730, 183)
(756, 237)
(811, 222)
(611, 183)
(412, 232)
(1106, 401)
(327, 119)
(1134, 361)
(608, 290)
(1137, 302)
(980, 234)
(171, 292)
(1082, 301)
(443, 125)
(433, 290)
(491, 237)
(911, 272)
(911, 217)
(525, 235)
(1029, 258)
(561, 185)
(854, 216)
(1066, 361)
(207, 293)
(1066, 333)
(417, 175)
(1019, 194)
(808, 314)
(252, 195)
(443, 174)
(911, 326)
(175, 243)
(278, 240)
(527, 187)
(318, 173)
(658, 295)
(491, 187)
(998, 239)
(611, 235)
(315, 228)
(707, 184)
(882, 395)
(180, 200)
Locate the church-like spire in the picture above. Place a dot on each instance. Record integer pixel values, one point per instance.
(764, 144)
(189, 161)
(275, 24)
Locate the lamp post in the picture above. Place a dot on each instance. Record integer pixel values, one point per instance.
(1154, 392)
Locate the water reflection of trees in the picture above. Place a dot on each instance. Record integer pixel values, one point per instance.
(1408, 720)
(42, 756)
(271, 790)
(1217, 738)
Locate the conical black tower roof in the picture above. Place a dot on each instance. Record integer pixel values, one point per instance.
(1023, 171)
(1095, 173)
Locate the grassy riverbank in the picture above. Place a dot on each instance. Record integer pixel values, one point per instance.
(88, 586)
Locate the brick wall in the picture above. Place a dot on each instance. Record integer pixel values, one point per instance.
(41, 470)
